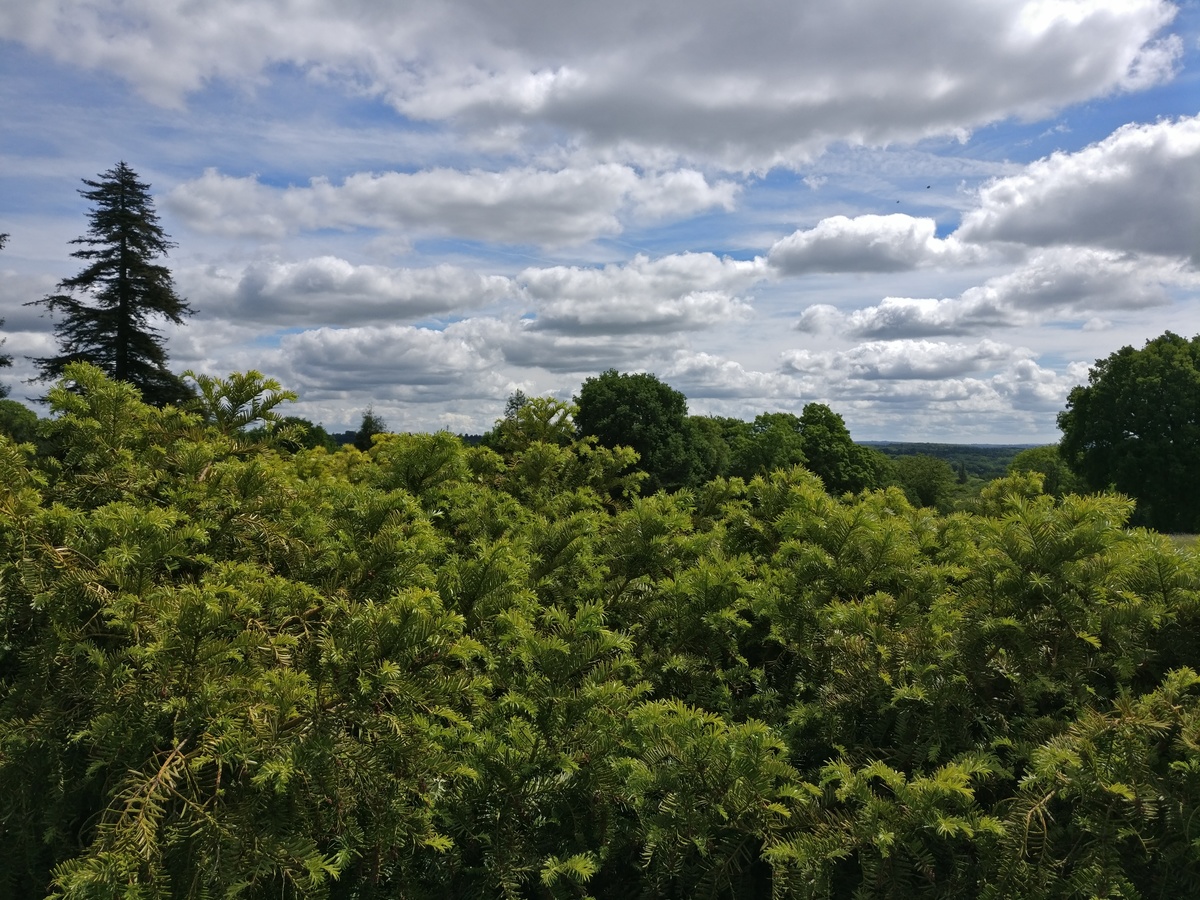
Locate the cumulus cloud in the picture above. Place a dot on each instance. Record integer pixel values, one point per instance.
(394, 361)
(901, 360)
(940, 390)
(523, 345)
(328, 290)
(870, 243)
(1074, 281)
(905, 317)
(1063, 282)
(679, 292)
(703, 79)
(702, 376)
(1026, 385)
(1135, 190)
(515, 206)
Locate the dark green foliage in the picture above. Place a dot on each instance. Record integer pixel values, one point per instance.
(977, 460)
(708, 448)
(1058, 479)
(370, 426)
(817, 439)
(1136, 426)
(642, 412)
(529, 420)
(832, 456)
(304, 434)
(105, 311)
(5, 359)
(926, 480)
(772, 441)
(233, 667)
(18, 421)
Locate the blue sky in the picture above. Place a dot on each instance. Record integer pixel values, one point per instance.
(933, 216)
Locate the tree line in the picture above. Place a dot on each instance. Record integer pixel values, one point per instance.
(1134, 428)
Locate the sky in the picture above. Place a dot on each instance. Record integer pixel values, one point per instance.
(933, 216)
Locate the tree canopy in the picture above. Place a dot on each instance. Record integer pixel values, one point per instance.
(642, 412)
(234, 668)
(1058, 479)
(372, 424)
(1136, 426)
(104, 314)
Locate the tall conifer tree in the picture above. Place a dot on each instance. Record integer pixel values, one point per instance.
(105, 311)
(5, 359)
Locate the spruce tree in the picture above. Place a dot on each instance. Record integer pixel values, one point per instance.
(5, 359)
(105, 311)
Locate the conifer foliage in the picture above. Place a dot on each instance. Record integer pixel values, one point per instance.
(105, 312)
(5, 359)
(230, 669)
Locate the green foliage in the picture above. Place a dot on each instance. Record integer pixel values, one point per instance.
(1058, 479)
(642, 412)
(772, 441)
(926, 480)
(231, 405)
(370, 426)
(231, 667)
(1136, 426)
(985, 462)
(832, 456)
(529, 420)
(295, 433)
(106, 310)
(18, 421)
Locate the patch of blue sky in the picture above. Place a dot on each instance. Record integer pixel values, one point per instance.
(439, 323)
(1080, 125)
(271, 340)
(487, 256)
(289, 127)
(48, 105)
(717, 232)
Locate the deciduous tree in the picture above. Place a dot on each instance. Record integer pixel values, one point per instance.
(1136, 426)
(641, 412)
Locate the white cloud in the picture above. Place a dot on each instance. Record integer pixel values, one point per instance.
(393, 362)
(1026, 385)
(905, 317)
(702, 376)
(1073, 281)
(525, 346)
(16, 289)
(514, 206)
(938, 391)
(327, 290)
(820, 318)
(706, 78)
(901, 360)
(679, 292)
(869, 243)
(1061, 282)
(1135, 190)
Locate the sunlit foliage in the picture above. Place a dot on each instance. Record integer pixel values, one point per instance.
(231, 666)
